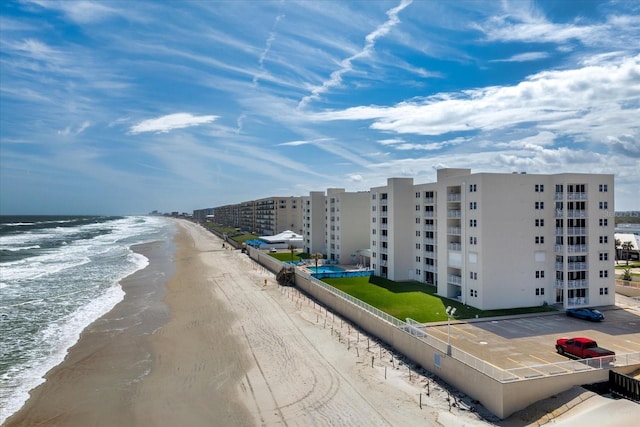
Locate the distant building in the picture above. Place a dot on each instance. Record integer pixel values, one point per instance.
(497, 241)
(268, 216)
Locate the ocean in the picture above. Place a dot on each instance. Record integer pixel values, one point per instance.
(57, 275)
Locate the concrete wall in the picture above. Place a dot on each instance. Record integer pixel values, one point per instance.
(501, 398)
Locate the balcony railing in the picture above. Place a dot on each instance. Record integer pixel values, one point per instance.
(573, 284)
(579, 301)
(431, 268)
(576, 196)
(429, 214)
(455, 246)
(430, 240)
(454, 197)
(576, 213)
(572, 266)
(429, 227)
(453, 213)
(430, 200)
(456, 280)
(572, 249)
(456, 231)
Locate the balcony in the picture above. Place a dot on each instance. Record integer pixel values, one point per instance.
(456, 231)
(572, 249)
(559, 196)
(454, 246)
(431, 254)
(453, 213)
(430, 200)
(573, 284)
(572, 266)
(573, 302)
(576, 196)
(453, 279)
(576, 213)
(429, 214)
(572, 231)
(429, 227)
(454, 197)
(431, 268)
(430, 240)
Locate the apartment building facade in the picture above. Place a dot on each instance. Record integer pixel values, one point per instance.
(336, 225)
(496, 240)
(266, 217)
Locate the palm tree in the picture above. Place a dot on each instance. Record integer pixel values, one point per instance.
(317, 256)
(291, 248)
(627, 247)
(618, 244)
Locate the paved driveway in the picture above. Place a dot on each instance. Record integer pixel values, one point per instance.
(521, 342)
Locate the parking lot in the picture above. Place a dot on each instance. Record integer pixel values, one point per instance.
(529, 341)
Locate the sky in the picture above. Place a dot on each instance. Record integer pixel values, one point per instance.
(124, 107)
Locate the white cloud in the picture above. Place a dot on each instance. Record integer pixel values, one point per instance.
(346, 64)
(170, 122)
(524, 57)
(590, 102)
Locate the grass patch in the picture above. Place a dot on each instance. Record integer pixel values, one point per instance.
(286, 256)
(414, 300)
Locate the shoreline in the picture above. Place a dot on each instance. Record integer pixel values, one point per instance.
(220, 343)
(116, 335)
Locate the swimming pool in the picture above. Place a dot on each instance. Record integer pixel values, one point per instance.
(326, 269)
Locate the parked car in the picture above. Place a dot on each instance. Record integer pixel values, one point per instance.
(586, 314)
(583, 348)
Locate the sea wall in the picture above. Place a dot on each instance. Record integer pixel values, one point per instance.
(501, 397)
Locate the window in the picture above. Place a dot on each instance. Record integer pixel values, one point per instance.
(539, 240)
(417, 233)
(417, 194)
(473, 240)
(604, 188)
(604, 273)
(539, 291)
(603, 205)
(418, 259)
(373, 231)
(418, 272)
(373, 196)
(540, 274)
(539, 205)
(604, 256)
(473, 188)
(473, 223)
(604, 291)
(603, 222)
(473, 275)
(374, 219)
(418, 220)
(539, 222)
(473, 205)
(417, 208)
(539, 188)
(604, 239)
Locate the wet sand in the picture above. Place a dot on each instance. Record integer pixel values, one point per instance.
(199, 340)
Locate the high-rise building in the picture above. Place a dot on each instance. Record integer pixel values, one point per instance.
(495, 240)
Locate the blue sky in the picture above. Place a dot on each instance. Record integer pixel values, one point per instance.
(123, 107)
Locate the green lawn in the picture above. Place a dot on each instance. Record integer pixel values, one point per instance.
(414, 300)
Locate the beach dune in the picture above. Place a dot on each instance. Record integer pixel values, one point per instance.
(202, 341)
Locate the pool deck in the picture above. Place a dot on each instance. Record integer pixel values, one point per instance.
(346, 267)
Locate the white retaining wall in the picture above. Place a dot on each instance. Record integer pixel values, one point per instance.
(501, 398)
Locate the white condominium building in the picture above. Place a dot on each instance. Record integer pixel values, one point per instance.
(336, 224)
(496, 240)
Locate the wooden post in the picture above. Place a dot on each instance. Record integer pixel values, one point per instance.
(385, 377)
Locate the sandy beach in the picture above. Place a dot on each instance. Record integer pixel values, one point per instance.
(201, 340)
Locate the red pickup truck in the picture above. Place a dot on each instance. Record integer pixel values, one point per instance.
(583, 348)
